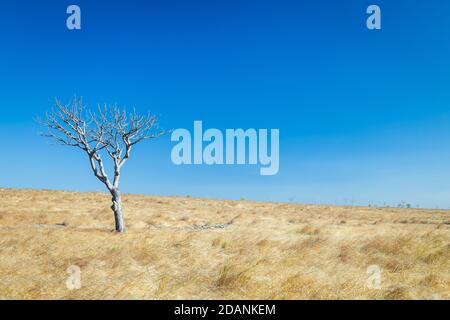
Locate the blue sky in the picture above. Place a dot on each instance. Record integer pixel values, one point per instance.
(363, 115)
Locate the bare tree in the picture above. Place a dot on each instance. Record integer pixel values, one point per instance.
(109, 132)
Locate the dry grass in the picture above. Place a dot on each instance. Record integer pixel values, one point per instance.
(186, 248)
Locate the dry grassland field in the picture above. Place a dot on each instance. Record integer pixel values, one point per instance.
(188, 248)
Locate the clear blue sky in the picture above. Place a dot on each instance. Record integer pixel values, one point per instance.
(363, 115)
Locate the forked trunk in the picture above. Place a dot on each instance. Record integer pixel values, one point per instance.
(117, 208)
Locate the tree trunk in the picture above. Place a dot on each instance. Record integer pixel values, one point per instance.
(117, 208)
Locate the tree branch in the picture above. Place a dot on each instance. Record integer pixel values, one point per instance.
(111, 132)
